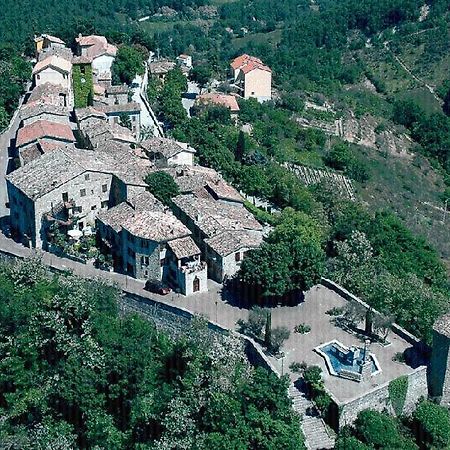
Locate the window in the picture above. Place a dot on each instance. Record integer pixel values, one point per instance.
(131, 253)
(163, 261)
(104, 204)
(82, 192)
(237, 256)
(104, 187)
(144, 244)
(65, 197)
(86, 176)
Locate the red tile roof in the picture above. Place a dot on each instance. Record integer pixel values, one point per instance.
(229, 101)
(244, 59)
(56, 62)
(44, 129)
(252, 65)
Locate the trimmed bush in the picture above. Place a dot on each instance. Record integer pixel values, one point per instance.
(397, 393)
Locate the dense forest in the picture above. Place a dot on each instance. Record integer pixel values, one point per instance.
(76, 374)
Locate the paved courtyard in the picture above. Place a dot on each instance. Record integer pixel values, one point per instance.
(300, 347)
(219, 307)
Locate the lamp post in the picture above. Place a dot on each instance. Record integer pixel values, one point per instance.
(282, 363)
(216, 309)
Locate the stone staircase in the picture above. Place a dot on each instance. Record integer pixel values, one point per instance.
(317, 436)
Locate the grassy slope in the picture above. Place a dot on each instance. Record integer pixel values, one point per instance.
(408, 187)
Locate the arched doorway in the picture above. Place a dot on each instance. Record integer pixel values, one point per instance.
(196, 284)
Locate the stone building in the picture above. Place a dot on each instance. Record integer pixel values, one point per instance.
(164, 152)
(45, 41)
(115, 114)
(252, 78)
(49, 93)
(439, 372)
(34, 111)
(226, 251)
(148, 242)
(116, 95)
(212, 224)
(100, 53)
(159, 69)
(67, 185)
(43, 130)
(54, 70)
(214, 98)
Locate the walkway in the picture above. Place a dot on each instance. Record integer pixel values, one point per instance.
(148, 117)
(313, 427)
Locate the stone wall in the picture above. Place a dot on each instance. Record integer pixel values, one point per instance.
(378, 398)
(397, 329)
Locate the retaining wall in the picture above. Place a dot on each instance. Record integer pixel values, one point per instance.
(378, 398)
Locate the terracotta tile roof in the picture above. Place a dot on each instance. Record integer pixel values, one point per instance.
(30, 153)
(48, 93)
(119, 89)
(184, 247)
(97, 46)
(43, 129)
(48, 146)
(167, 147)
(161, 67)
(89, 112)
(53, 39)
(229, 101)
(238, 62)
(213, 218)
(221, 190)
(126, 107)
(252, 65)
(231, 241)
(155, 226)
(55, 62)
(37, 108)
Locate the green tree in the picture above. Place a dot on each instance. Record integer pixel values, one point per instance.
(433, 423)
(162, 186)
(128, 63)
(381, 431)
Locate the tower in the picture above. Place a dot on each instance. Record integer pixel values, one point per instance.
(439, 373)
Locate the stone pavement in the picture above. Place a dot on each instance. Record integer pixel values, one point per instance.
(314, 429)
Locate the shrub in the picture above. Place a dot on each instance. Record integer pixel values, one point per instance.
(336, 311)
(297, 367)
(279, 335)
(433, 424)
(256, 320)
(302, 328)
(397, 393)
(399, 357)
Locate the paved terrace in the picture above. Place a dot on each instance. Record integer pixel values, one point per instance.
(226, 312)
